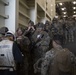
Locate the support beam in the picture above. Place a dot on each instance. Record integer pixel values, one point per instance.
(4, 16)
(24, 4)
(5, 2)
(58, 1)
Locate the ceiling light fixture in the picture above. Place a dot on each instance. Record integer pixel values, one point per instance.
(64, 12)
(74, 8)
(74, 2)
(63, 8)
(74, 15)
(74, 12)
(64, 16)
(61, 4)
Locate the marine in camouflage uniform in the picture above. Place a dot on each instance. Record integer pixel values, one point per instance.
(40, 40)
(47, 28)
(50, 64)
(24, 43)
(65, 30)
(71, 30)
(55, 61)
(29, 32)
(46, 61)
(55, 26)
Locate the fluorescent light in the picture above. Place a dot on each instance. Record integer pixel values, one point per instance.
(63, 8)
(61, 4)
(64, 12)
(74, 2)
(74, 12)
(74, 7)
(64, 16)
(74, 15)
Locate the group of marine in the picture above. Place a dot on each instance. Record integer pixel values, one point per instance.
(42, 49)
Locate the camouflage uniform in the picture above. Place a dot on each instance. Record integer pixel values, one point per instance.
(46, 61)
(55, 25)
(71, 29)
(65, 31)
(48, 29)
(41, 44)
(24, 43)
(49, 65)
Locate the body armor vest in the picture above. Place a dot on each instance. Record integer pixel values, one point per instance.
(6, 55)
